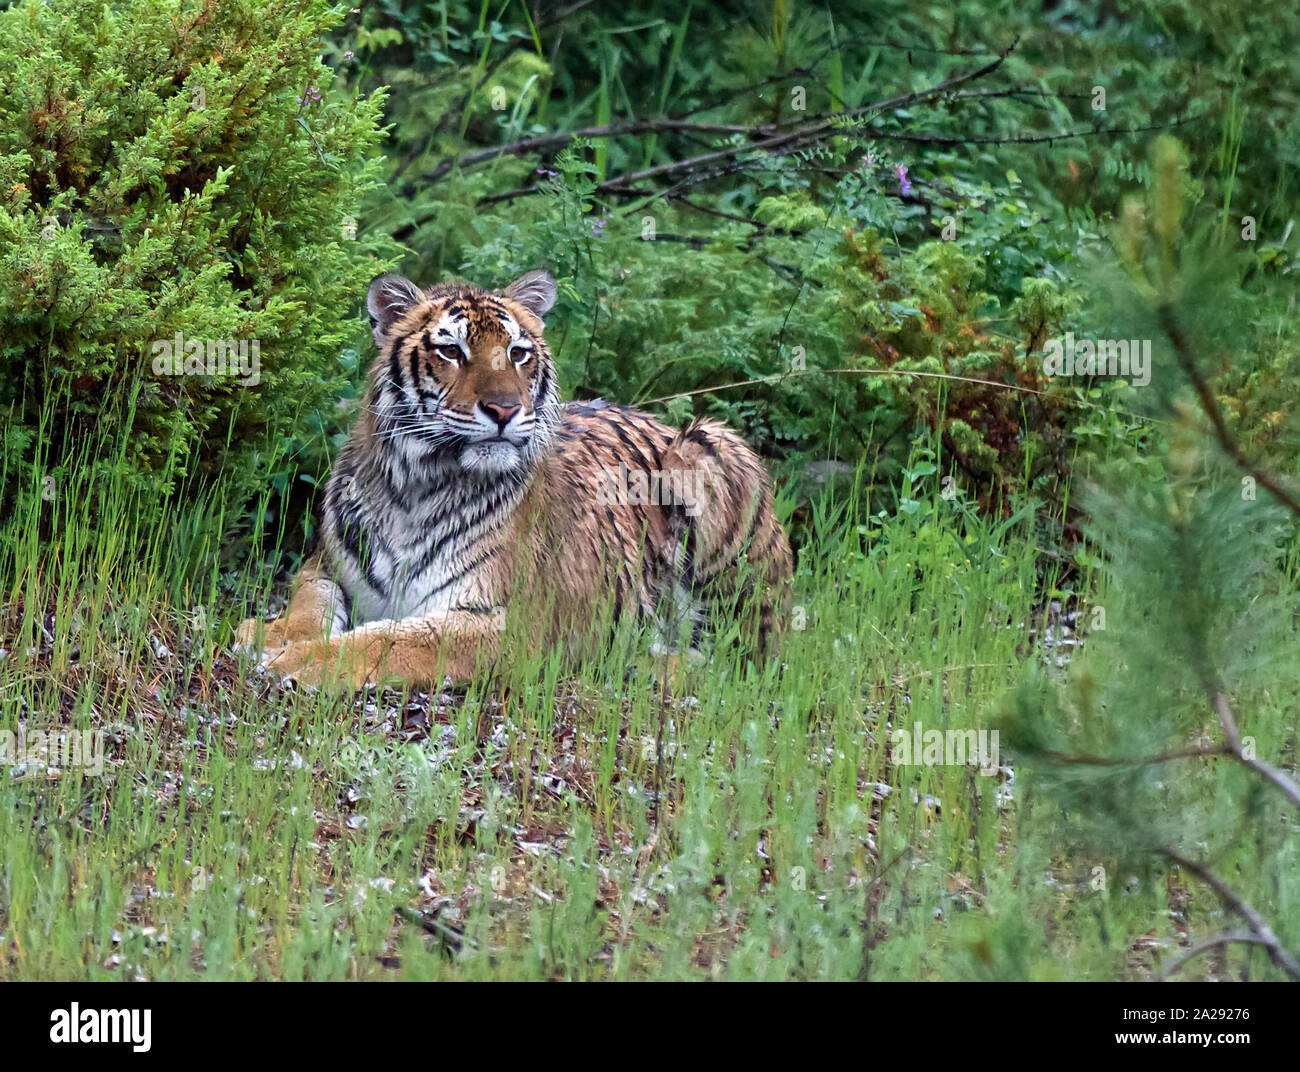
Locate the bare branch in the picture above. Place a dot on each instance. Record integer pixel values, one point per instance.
(1187, 362)
(1030, 139)
(1231, 748)
(779, 376)
(1254, 920)
(811, 130)
(606, 130)
(1277, 777)
(1174, 963)
(1084, 759)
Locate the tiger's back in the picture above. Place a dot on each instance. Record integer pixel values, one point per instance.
(658, 519)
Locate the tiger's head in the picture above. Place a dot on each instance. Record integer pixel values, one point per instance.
(463, 374)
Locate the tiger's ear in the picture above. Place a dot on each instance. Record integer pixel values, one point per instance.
(535, 291)
(389, 298)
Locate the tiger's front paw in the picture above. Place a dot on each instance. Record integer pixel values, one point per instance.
(316, 664)
(268, 641)
(256, 637)
(296, 661)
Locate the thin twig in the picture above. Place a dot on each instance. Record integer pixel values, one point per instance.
(1087, 760)
(449, 936)
(1233, 900)
(778, 376)
(1028, 139)
(1187, 362)
(1174, 963)
(605, 130)
(811, 130)
(1232, 748)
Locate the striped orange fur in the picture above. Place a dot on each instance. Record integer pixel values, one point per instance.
(466, 486)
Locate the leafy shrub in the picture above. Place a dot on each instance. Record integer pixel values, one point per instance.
(827, 244)
(177, 172)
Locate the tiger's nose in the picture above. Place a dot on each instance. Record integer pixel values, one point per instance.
(498, 413)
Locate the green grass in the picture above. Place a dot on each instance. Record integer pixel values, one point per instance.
(613, 822)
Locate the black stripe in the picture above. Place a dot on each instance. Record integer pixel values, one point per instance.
(480, 561)
(627, 442)
(348, 529)
(618, 598)
(395, 373)
(397, 493)
(721, 550)
(464, 523)
(695, 434)
(753, 525)
(591, 453)
(654, 451)
(688, 555)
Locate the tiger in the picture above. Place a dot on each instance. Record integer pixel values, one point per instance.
(465, 487)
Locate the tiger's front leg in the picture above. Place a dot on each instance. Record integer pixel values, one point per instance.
(316, 608)
(411, 651)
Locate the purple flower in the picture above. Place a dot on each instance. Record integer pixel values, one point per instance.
(597, 226)
(904, 183)
(348, 54)
(548, 174)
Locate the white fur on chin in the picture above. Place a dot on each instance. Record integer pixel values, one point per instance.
(494, 457)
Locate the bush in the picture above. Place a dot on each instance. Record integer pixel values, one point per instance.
(177, 172)
(764, 289)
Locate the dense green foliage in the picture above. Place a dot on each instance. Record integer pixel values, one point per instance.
(818, 256)
(181, 174)
(888, 266)
(854, 232)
